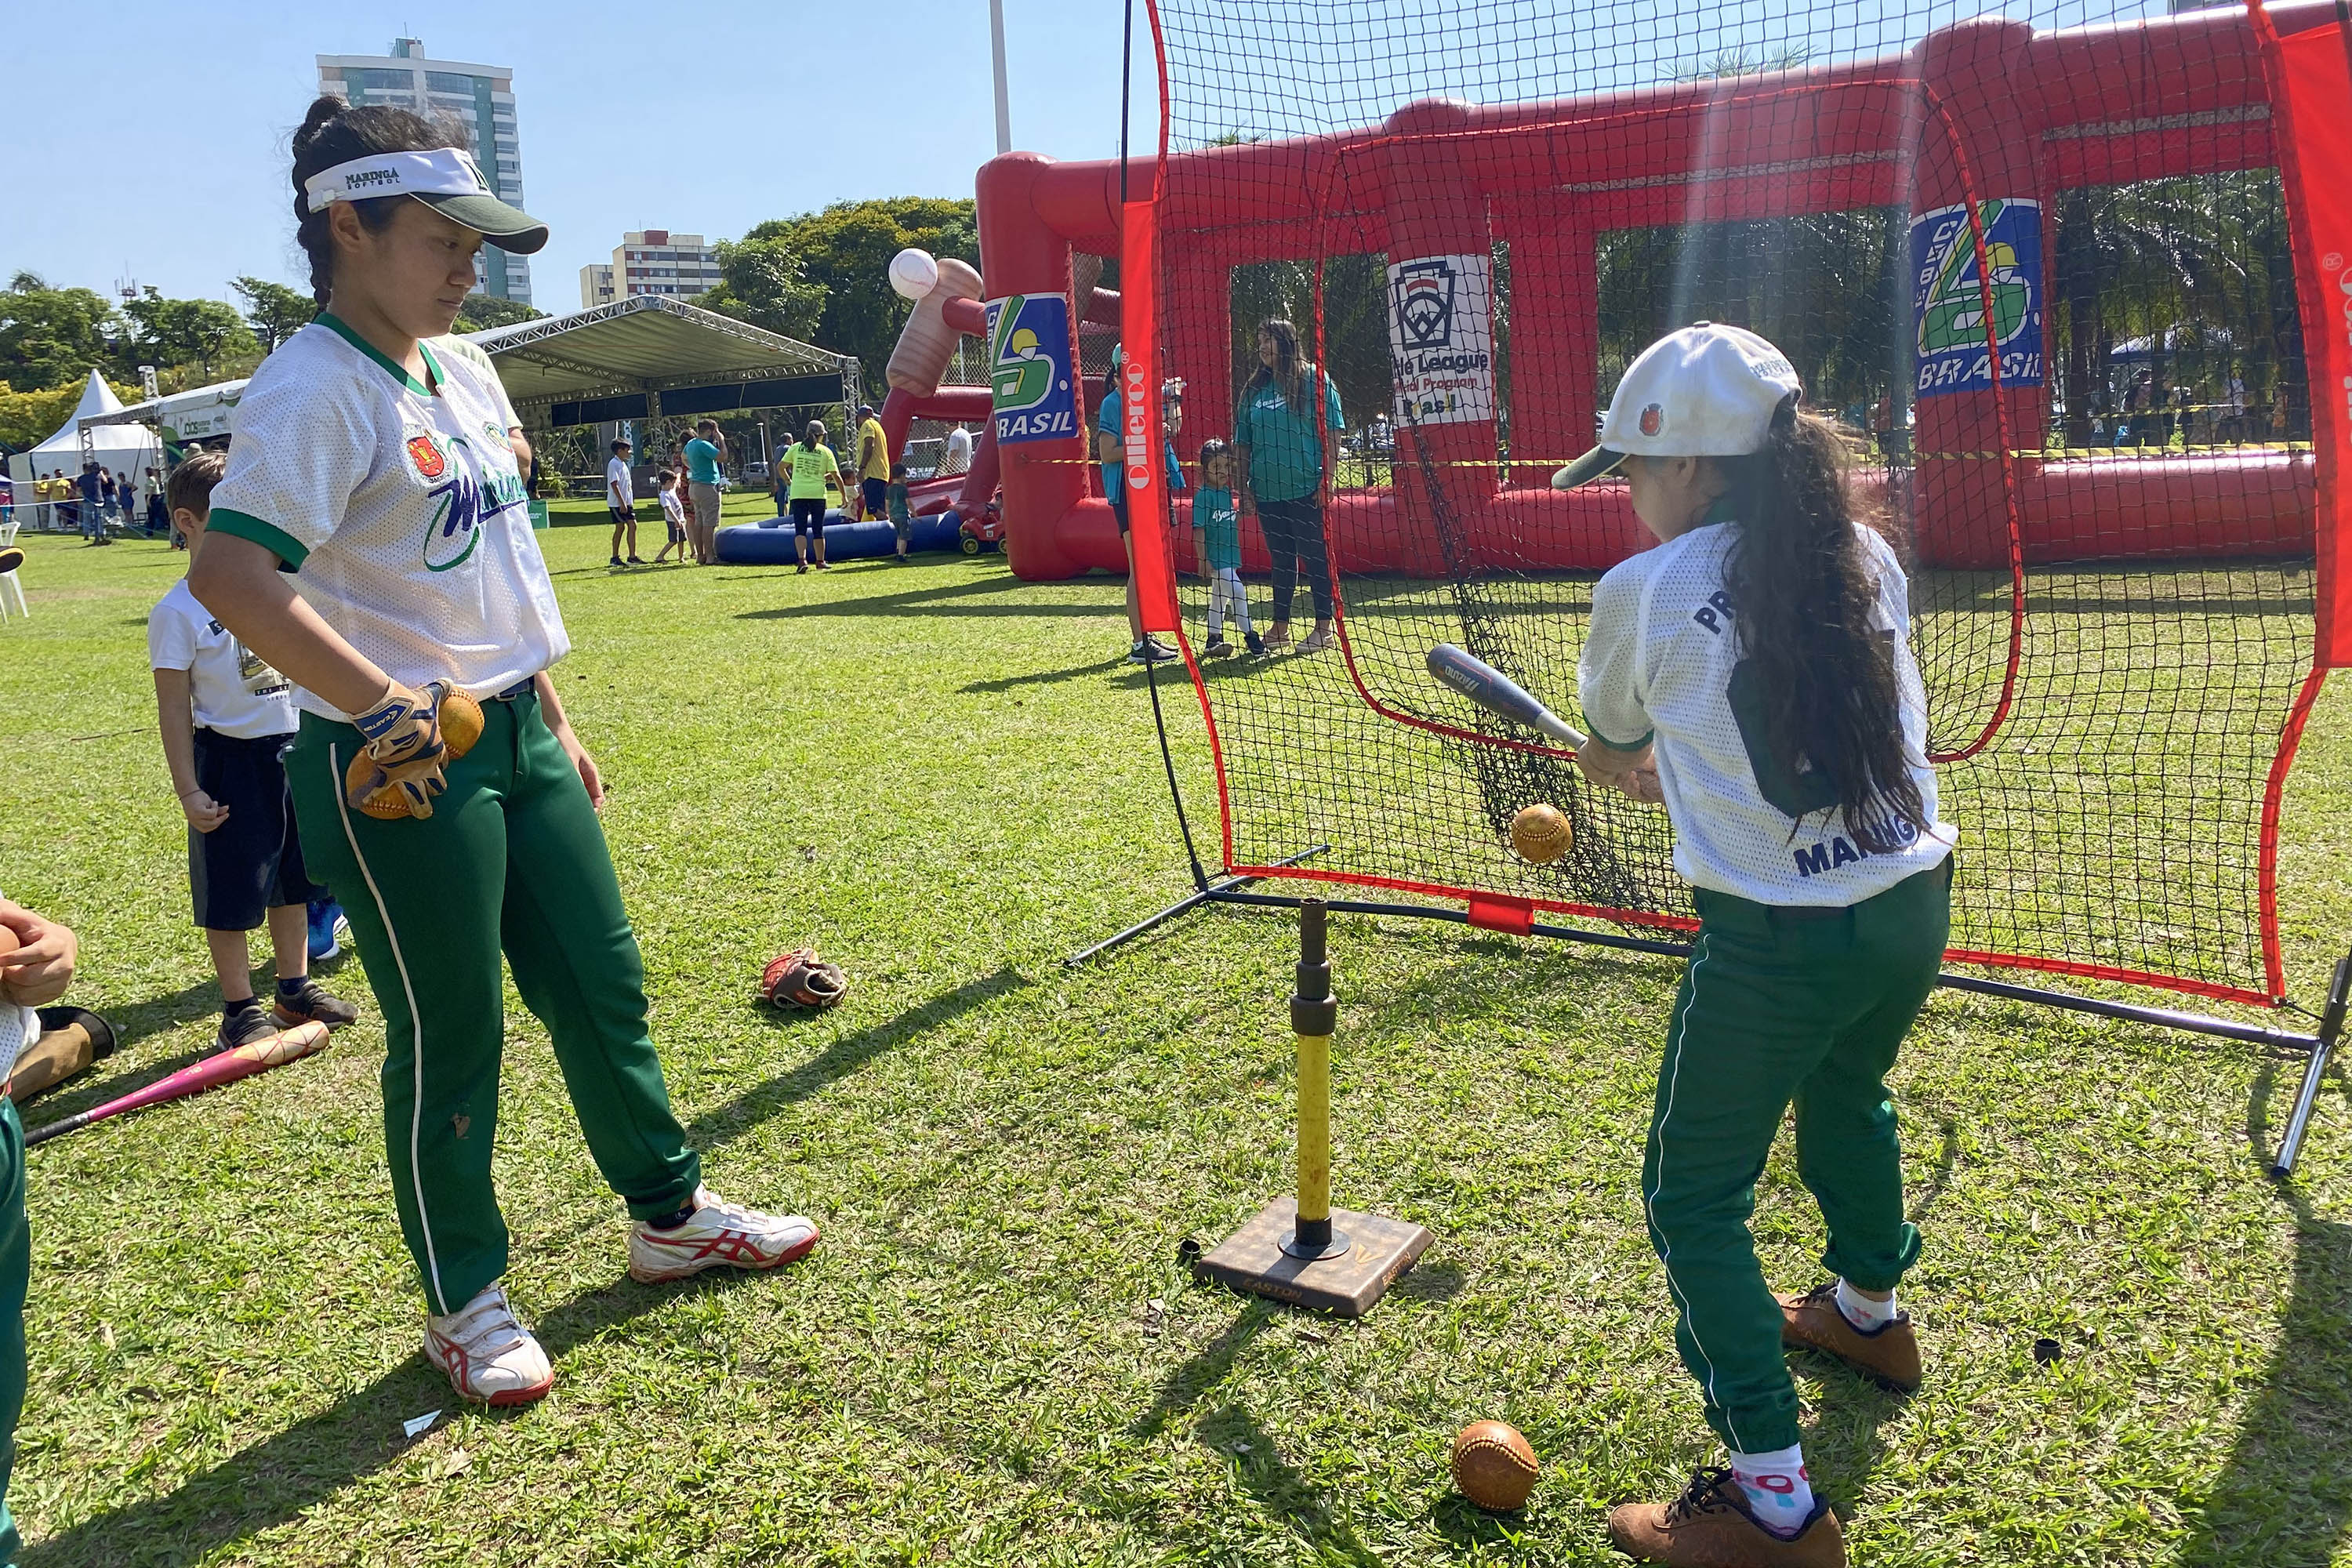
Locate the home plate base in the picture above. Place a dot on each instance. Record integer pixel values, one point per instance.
(1379, 1250)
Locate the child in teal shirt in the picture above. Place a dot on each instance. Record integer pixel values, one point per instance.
(901, 518)
(1217, 544)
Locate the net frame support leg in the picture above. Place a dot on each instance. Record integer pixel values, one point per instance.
(2331, 1025)
(1299, 1250)
(1204, 892)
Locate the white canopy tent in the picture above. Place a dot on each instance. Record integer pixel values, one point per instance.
(130, 448)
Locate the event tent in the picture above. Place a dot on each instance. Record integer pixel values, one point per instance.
(121, 448)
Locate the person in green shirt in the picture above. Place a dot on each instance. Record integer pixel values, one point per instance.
(815, 475)
(1279, 441)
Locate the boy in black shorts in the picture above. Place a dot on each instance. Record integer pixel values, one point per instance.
(225, 717)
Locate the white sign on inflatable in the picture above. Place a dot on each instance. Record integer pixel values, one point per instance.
(1441, 339)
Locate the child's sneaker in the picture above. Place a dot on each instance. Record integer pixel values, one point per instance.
(1255, 643)
(487, 1353)
(247, 1026)
(1216, 647)
(328, 928)
(716, 1235)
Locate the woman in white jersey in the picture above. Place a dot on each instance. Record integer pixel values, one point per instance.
(371, 541)
(1753, 673)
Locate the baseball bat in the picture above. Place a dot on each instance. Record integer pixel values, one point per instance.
(1498, 693)
(291, 1046)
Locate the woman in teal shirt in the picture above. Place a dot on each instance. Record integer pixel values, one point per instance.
(1285, 459)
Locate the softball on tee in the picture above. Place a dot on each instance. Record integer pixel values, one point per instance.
(461, 726)
(1493, 1465)
(1541, 833)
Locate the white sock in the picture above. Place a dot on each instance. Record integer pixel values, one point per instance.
(1780, 1493)
(1862, 1311)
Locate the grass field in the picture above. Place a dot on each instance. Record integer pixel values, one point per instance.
(946, 778)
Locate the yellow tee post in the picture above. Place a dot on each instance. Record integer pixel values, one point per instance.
(1295, 1250)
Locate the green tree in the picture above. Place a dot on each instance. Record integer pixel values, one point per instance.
(206, 333)
(483, 311)
(53, 337)
(844, 251)
(274, 311)
(762, 281)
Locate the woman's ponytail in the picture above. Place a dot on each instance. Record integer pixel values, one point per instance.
(1805, 595)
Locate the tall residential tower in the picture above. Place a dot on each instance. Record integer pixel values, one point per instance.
(479, 97)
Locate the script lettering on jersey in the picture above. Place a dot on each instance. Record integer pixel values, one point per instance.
(469, 498)
(1716, 613)
(1840, 850)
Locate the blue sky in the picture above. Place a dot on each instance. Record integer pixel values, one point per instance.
(179, 115)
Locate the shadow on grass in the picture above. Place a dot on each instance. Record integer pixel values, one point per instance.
(844, 1057)
(2283, 1497)
(1237, 1437)
(957, 598)
(276, 1478)
(1044, 677)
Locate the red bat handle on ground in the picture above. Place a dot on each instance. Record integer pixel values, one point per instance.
(292, 1045)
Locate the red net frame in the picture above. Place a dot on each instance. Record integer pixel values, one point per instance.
(2146, 99)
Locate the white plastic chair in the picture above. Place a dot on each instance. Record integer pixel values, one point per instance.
(12, 596)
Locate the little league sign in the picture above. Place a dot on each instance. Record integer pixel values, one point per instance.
(1030, 395)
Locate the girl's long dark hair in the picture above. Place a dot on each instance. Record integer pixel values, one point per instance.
(1288, 371)
(1803, 594)
(335, 132)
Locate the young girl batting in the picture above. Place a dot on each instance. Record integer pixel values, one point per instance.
(1753, 673)
(370, 540)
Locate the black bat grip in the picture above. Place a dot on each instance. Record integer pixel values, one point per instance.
(1313, 1009)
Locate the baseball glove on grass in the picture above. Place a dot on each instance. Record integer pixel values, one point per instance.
(801, 978)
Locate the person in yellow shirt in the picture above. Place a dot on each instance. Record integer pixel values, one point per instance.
(811, 472)
(873, 464)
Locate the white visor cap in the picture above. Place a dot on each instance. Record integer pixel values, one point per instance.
(1706, 391)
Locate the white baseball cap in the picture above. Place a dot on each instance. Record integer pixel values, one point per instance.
(1706, 391)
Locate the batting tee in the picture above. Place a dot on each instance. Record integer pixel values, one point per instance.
(2075, 279)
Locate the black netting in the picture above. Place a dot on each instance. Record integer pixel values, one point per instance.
(2036, 265)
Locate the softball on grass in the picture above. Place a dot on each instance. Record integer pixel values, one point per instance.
(461, 726)
(1541, 833)
(1493, 1465)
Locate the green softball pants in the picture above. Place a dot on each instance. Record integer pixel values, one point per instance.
(513, 860)
(15, 1276)
(1779, 1007)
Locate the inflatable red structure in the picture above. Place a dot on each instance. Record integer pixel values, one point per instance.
(1987, 111)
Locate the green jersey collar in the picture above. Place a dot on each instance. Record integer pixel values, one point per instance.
(391, 368)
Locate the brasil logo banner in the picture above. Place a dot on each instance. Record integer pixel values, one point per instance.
(1954, 349)
(1030, 395)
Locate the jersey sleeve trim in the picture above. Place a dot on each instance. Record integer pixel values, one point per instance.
(391, 368)
(1594, 730)
(269, 536)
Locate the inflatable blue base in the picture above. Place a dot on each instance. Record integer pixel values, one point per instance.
(770, 542)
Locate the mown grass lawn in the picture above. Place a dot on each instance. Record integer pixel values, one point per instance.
(946, 778)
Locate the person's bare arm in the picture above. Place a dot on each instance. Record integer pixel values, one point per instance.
(239, 583)
(1633, 773)
(550, 708)
(176, 718)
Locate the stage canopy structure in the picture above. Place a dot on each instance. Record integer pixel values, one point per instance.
(649, 356)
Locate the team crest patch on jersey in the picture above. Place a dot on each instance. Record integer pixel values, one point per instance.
(1654, 419)
(493, 432)
(427, 457)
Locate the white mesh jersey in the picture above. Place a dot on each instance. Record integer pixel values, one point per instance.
(399, 509)
(1661, 666)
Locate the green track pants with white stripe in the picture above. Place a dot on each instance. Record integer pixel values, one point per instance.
(512, 859)
(1783, 1006)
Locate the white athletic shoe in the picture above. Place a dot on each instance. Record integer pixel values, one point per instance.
(488, 1355)
(717, 1235)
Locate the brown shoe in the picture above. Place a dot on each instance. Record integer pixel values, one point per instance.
(1709, 1527)
(1890, 1356)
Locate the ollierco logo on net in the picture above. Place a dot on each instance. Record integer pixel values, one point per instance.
(2344, 285)
(1132, 392)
